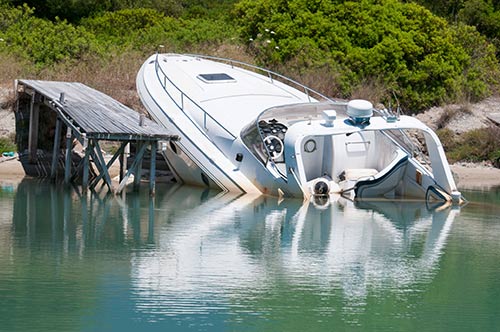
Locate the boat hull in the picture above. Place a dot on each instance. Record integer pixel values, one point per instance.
(196, 160)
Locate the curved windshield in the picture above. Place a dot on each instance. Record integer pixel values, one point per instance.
(289, 114)
(275, 121)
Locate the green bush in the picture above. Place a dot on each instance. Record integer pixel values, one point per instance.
(119, 27)
(44, 42)
(415, 54)
(183, 35)
(481, 72)
(74, 10)
(146, 29)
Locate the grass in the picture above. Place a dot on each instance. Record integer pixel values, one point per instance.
(474, 146)
(7, 145)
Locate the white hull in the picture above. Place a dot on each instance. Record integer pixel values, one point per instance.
(197, 158)
(243, 132)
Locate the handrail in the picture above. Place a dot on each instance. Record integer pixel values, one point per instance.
(308, 91)
(269, 73)
(163, 82)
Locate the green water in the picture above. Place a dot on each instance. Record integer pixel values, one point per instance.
(191, 260)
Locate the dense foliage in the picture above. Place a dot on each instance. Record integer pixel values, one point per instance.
(415, 54)
(45, 42)
(147, 28)
(74, 10)
(41, 41)
(380, 48)
(483, 14)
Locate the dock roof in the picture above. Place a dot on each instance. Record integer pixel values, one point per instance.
(95, 113)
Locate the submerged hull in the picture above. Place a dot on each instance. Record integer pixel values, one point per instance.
(243, 132)
(193, 159)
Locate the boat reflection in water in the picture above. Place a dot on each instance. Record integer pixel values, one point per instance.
(189, 253)
(233, 247)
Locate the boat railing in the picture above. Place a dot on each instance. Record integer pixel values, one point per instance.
(165, 81)
(272, 75)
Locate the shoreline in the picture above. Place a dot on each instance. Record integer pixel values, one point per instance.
(469, 176)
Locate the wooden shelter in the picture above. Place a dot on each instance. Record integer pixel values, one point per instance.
(90, 116)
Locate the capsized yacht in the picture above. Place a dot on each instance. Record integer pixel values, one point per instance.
(247, 129)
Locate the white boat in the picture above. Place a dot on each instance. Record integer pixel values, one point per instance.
(247, 129)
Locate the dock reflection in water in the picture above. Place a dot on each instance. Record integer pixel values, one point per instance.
(201, 258)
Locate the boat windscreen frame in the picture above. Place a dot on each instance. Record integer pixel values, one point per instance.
(287, 114)
(295, 112)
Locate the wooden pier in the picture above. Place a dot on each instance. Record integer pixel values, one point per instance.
(90, 117)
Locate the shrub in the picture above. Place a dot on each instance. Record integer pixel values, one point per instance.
(182, 35)
(119, 26)
(416, 55)
(146, 29)
(44, 42)
(476, 145)
(449, 140)
(74, 10)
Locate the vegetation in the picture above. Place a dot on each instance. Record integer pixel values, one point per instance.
(475, 145)
(7, 145)
(484, 15)
(423, 52)
(406, 48)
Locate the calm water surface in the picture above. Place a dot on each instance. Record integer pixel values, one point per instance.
(204, 261)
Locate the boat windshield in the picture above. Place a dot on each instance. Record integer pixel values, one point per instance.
(276, 120)
(289, 114)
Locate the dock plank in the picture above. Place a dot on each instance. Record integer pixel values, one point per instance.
(95, 112)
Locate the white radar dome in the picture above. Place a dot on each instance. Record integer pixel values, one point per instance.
(359, 109)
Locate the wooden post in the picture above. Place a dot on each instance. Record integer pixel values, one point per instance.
(85, 176)
(57, 146)
(138, 160)
(33, 130)
(152, 169)
(123, 163)
(69, 146)
(104, 167)
(138, 165)
(126, 154)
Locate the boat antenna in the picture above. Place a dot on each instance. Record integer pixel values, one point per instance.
(398, 109)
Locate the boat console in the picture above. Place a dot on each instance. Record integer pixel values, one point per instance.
(273, 134)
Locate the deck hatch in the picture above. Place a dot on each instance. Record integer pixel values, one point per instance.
(216, 78)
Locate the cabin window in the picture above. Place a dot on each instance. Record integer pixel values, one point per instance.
(216, 78)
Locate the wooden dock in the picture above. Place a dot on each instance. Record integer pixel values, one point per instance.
(89, 116)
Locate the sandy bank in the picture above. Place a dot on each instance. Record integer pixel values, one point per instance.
(474, 176)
